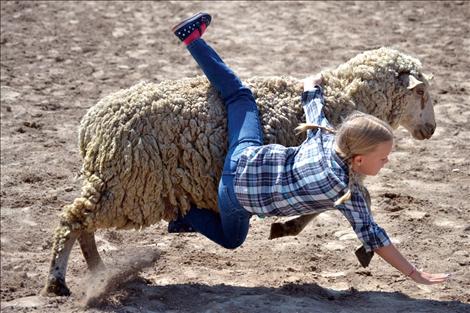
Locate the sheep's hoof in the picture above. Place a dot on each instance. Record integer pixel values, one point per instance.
(55, 287)
(277, 230)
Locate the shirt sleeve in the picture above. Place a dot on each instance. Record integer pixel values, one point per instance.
(313, 102)
(358, 214)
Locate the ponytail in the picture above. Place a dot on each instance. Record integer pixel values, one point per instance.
(354, 179)
(303, 127)
(344, 198)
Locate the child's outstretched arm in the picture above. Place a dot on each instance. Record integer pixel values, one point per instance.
(396, 259)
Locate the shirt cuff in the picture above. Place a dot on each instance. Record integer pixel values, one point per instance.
(315, 87)
(377, 239)
(311, 94)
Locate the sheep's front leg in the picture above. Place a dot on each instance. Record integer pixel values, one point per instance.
(63, 243)
(90, 252)
(292, 227)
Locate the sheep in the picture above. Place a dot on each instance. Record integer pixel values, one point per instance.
(153, 150)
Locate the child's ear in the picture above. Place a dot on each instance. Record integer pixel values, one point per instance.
(357, 160)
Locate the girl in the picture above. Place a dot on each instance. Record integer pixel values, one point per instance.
(326, 170)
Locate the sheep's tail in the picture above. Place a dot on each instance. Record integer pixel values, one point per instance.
(80, 213)
(78, 216)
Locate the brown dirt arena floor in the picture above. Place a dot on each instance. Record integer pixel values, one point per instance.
(58, 58)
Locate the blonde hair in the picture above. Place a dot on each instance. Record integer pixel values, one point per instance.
(359, 134)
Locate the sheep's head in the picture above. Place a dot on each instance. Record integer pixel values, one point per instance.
(385, 83)
(418, 114)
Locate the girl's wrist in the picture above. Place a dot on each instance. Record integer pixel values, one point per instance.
(411, 272)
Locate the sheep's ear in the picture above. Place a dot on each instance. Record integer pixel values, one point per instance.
(409, 81)
(413, 82)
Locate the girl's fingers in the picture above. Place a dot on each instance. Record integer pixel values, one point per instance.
(440, 275)
(436, 278)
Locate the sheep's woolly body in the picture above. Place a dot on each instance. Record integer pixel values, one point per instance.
(154, 149)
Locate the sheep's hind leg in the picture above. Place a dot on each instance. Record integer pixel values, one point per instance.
(90, 252)
(63, 243)
(292, 227)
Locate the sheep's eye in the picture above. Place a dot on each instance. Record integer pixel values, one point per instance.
(420, 92)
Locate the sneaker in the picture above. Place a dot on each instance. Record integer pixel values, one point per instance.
(178, 226)
(192, 28)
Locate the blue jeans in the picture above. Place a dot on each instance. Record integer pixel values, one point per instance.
(229, 228)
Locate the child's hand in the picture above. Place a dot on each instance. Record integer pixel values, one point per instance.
(428, 278)
(311, 81)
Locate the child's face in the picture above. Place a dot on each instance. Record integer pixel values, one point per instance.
(371, 163)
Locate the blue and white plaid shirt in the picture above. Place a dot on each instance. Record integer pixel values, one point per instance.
(273, 180)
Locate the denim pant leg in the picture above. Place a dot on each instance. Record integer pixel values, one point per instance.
(242, 112)
(230, 228)
(243, 131)
(217, 72)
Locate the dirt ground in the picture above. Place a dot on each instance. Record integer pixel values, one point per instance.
(59, 58)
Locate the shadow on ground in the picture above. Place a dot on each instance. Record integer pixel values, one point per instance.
(312, 298)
